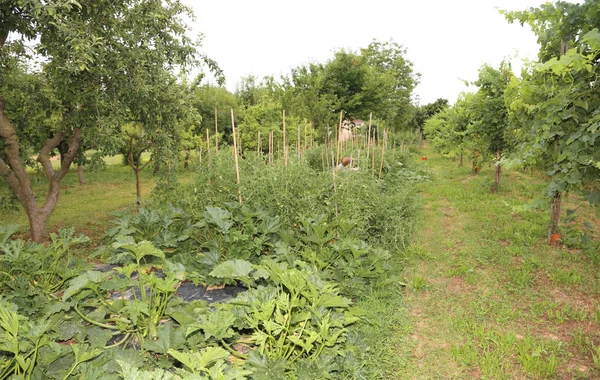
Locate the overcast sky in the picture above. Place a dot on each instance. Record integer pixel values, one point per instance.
(447, 41)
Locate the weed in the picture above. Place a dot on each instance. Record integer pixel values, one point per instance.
(520, 278)
(415, 283)
(568, 277)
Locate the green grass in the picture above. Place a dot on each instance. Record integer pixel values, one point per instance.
(499, 302)
(86, 207)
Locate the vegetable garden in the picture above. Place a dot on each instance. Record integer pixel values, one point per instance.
(271, 237)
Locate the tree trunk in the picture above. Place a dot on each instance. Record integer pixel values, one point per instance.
(156, 168)
(187, 159)
(138, 187)
(80, 174)
(555, 204)
(15, 174)
(37, 225)
(461, 159)
(498, 171)
(420, 138)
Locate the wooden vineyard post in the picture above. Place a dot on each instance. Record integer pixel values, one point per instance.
(323, 158)
(235, 154)
(216, 133)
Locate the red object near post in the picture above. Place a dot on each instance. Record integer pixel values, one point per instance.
(424, 158)
(554, 238)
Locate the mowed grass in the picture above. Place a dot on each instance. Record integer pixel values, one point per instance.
(485, 296)
(88, 208)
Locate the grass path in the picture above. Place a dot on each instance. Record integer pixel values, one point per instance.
(485, 296)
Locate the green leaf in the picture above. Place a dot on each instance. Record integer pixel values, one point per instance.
(6, 232)
(594, 198)
(82, 281)
(141, 249)
(581, 104)
(218, 217)
(198, 362)
(135, 309)
(232, 269)
(98, 337)
(329, 300)
(169, 338)
(83, 353)
(217, 324)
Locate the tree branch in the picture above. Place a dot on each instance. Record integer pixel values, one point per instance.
(71, 154)
(146, 164)
(12, 180)
(44, 156)
(130, 155)
(8, 134)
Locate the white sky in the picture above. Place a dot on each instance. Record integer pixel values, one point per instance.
(447, 41)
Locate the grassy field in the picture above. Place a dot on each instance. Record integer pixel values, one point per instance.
(485, 296)
(86, 207)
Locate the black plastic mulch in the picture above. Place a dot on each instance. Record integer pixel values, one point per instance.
(186, 291)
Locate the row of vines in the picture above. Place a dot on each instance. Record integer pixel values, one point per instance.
(547, 119)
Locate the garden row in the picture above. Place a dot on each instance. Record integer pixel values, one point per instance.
(303, 250)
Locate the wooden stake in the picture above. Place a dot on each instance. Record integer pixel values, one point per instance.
(237, 167)
(271, 147)
(369, 135)
(305, 137)
(339, 138)
(216, 133)
(334, 184)
(298, 143)
(382, 153)
(258, 149)
(285, 156)
(373, 161)
(208, 147)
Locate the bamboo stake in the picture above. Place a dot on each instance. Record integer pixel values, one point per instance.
(369, 135)
(334, 184)
(382, 153)
(271, 147)
(298, 143)
(259, 144)
(305, 137)
(339, 138)
(241, 153)
(285, 156)
(237, 167)
(216, 133)
(208, 147)
(373, 162)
